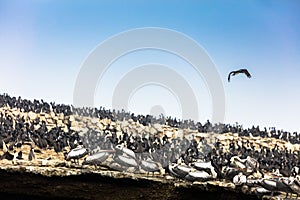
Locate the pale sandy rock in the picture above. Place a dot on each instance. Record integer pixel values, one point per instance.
(49, 121)
(147, 129)
(100, 126)
(50, 126)
(168, 133)
(52, 114)
(32, 115)
(124, 123)
(94, 120)
(36, 127)
(140, 129)
(113, 124)
(106, 121)
(15, 112)
(71, 118)
(65, 129)
(42, 118)
(153, 131)
(61, 116)
(60, 123)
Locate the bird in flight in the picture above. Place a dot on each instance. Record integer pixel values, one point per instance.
(233, 73)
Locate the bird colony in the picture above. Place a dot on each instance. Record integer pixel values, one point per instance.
(259, 161)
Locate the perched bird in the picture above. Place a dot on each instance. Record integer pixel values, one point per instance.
(150, 166)
(270, 185)
(171, 169)
(239, 179)
(123, 150)
(252, 164)
(97, 158)
(180, 170)
(283, 185)
(183, 170)
(77, 153)
(248, 163)
(19, 157)
(260, 191)
(198, 176)
(206, 166)
(230, 172)
(7, 156)
(293, 186)
(31, 155)
(126, 161)
(233, 73)
(4, 146)
(15, 155)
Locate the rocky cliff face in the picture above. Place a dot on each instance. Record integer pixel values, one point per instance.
(52, 132)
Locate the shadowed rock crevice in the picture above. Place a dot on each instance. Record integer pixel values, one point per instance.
(90, 186)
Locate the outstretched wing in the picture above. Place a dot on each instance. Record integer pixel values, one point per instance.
(245, 71)
(229, 76)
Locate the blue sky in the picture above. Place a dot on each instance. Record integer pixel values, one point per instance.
(44, 43)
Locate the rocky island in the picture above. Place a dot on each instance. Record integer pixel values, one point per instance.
(58, 151)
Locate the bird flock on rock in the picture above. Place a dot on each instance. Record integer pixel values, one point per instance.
(127, 142)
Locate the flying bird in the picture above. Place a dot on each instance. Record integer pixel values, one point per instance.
(233, 73)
